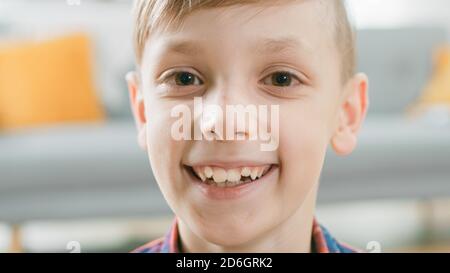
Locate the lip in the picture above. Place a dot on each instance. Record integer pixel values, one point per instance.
(229, 165)
(234, 192)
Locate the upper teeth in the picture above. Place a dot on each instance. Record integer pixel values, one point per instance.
(220, 175)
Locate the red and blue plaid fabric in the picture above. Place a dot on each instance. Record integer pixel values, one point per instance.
(322, 242)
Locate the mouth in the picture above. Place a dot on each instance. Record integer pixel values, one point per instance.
(222, 177)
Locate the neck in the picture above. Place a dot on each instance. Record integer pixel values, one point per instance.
(292, 235)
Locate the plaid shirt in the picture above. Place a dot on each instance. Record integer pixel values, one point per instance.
(322, 242)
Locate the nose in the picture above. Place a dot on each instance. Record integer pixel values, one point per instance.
(211, 123)
(222, 115)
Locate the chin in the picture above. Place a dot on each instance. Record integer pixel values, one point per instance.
(231, 232)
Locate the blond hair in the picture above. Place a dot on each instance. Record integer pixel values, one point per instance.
(150, 15)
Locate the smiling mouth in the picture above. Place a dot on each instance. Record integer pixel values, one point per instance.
(226, 178)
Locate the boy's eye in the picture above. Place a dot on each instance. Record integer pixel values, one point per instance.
(184, 79)
(281, 79)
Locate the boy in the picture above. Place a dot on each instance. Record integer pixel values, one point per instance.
(296, 57)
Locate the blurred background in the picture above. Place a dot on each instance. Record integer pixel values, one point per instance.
(73, 179)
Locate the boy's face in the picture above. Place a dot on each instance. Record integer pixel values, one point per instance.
(281, 55)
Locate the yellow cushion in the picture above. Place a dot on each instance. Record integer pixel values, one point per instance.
(438, 90)
(46, 83)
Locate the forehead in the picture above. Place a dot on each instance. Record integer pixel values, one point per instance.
(304, 24)
(298, 31)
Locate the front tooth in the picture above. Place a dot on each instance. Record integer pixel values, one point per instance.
(199, 172)
(219, 175)
(246, 171)
(260, 172)
(208, 172)
(254, 173)
(233, 175)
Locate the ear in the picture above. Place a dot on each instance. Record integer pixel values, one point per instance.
(138, 108)
(351, 115)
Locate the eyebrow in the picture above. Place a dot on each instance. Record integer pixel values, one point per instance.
(280, 45)
(185, 47)
(263, 46)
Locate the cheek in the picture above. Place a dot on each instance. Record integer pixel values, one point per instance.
(163, 151)
(303, 143)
